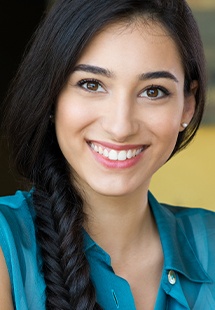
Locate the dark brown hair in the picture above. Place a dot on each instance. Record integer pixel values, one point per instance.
(57, 46)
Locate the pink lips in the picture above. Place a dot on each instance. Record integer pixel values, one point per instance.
(115, 156)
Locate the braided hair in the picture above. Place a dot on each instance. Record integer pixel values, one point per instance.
(57, 46)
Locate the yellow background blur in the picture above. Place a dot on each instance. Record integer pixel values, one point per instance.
(189, 178)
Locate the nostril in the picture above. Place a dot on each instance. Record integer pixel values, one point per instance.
(115, 299)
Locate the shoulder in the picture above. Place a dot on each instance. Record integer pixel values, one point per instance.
(16, 218)
(198, 225)
(192, 215)
(184, 216)
(15, 214)
(16, 225)
(16, 201)
(16, 206)
(19, 247)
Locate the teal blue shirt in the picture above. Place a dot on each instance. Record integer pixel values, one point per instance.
(188, 242)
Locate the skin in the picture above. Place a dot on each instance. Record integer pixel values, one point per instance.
(122, 106)
(5, 287)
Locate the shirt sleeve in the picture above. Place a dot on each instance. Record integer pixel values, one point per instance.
(18, 243)
(9, 249)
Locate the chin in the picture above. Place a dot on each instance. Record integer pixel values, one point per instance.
(115, 189)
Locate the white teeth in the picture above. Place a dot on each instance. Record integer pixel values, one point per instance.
(96, 149)
(100, 150)
(113, 155)
(129, 154)
(116, 155)
(105, 153)
(138, 152)
(122, 155)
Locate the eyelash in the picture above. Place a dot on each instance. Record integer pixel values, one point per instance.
(156, 87)
(84, 81)
(152, 87)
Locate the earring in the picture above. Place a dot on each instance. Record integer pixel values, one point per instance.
(184, 125)
(51, 118)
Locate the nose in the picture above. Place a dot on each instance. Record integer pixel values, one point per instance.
(120, 120)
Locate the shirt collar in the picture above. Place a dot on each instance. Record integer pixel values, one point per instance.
(178, 252)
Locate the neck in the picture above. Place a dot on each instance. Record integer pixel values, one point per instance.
(120, 224)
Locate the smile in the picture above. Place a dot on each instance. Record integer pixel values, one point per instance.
(112, 154)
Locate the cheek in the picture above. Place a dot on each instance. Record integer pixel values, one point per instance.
(71, 116)
(164, 128)
(72, 121)
(167, 133)
(166, 122)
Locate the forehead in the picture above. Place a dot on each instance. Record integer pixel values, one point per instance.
(139, 43)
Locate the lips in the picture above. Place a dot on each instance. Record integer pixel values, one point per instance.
(116, 155)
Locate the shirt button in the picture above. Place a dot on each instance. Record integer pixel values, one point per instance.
(172, 277)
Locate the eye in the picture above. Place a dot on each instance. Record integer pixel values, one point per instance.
(155, 92)
(91, 86)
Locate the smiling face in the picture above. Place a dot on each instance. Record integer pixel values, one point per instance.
(118, 117)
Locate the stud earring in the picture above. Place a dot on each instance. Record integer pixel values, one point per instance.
(51, 118)
(184, 125)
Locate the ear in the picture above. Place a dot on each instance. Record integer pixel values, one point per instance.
(189, 105)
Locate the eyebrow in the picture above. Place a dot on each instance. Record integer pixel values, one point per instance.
(158, 75)
(94, 70)
(110, 74)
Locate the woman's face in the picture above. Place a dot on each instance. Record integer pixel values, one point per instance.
(119, 115)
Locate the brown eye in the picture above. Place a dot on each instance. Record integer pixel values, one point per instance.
(153, 92)
(93, 86)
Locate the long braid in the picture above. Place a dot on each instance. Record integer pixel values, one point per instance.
(59, 221)
(57, 48)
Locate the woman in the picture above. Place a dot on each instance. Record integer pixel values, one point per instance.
(108, 92)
